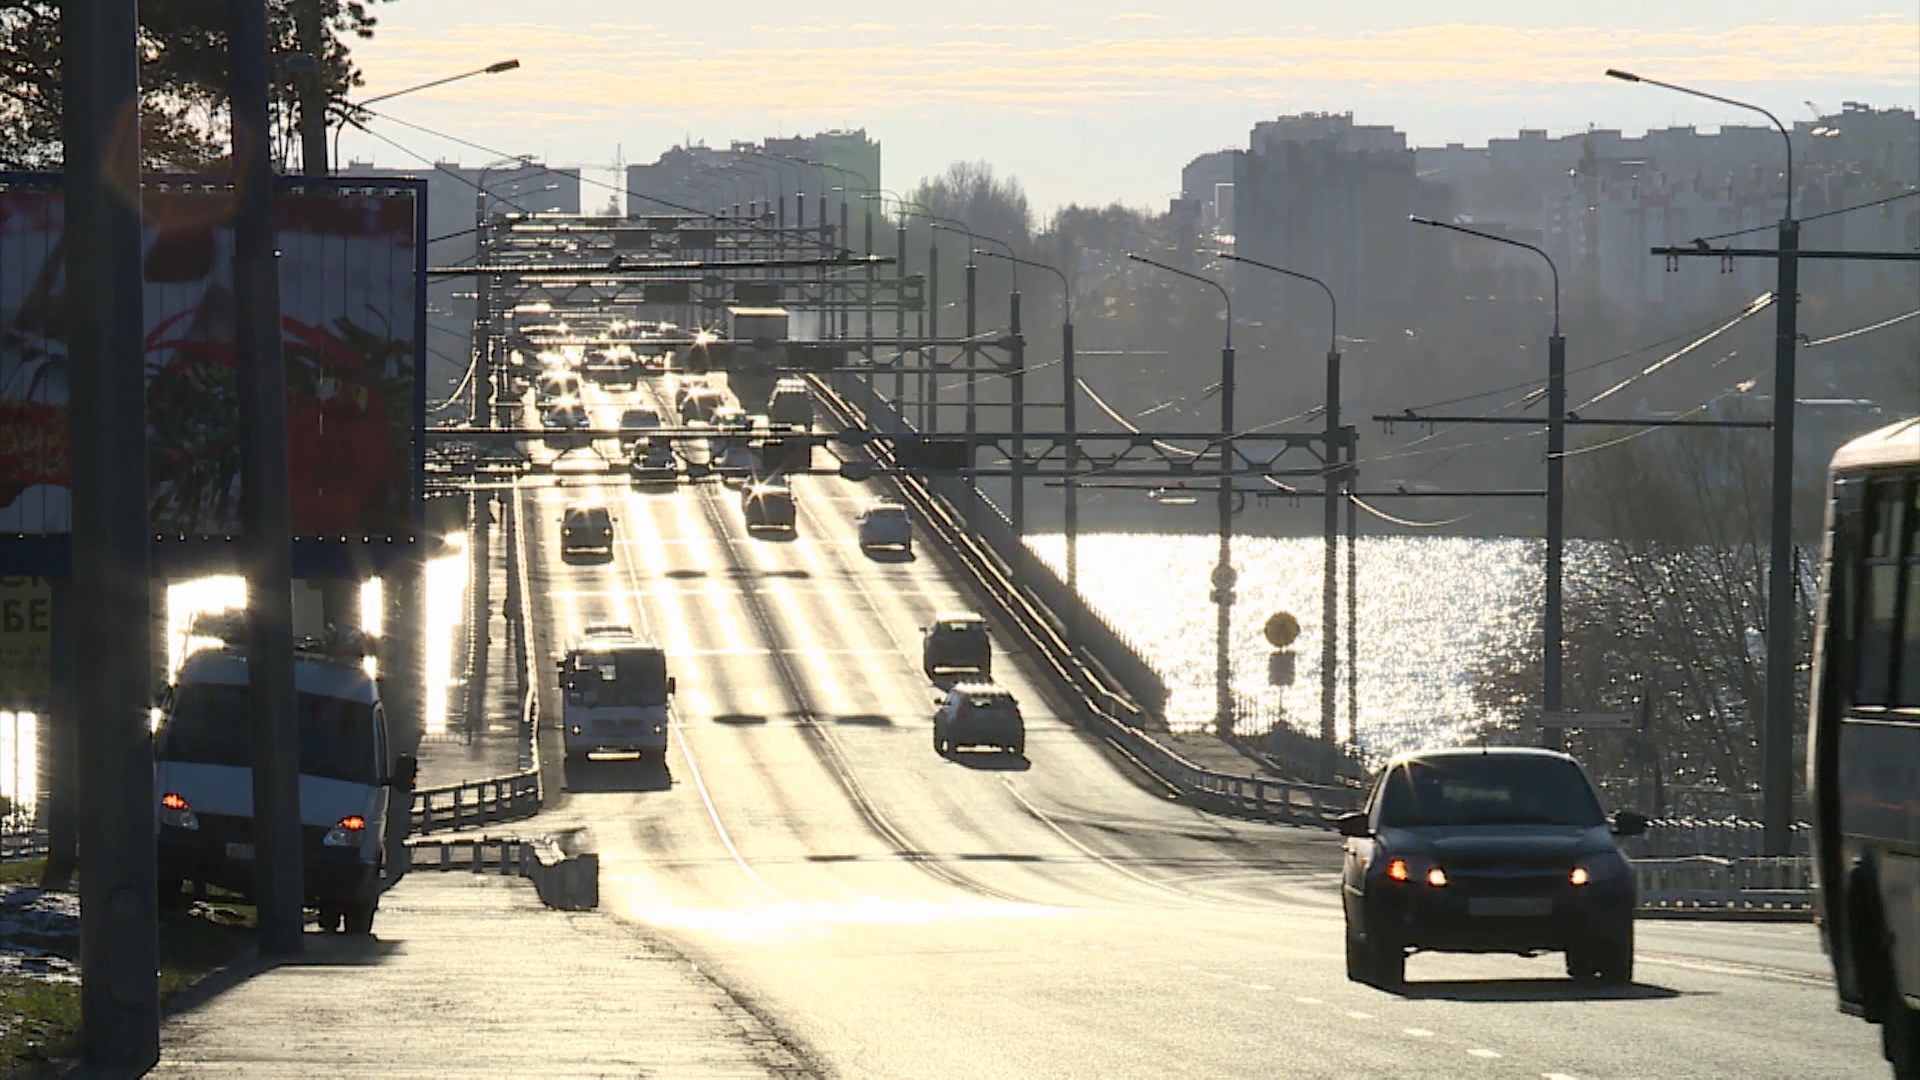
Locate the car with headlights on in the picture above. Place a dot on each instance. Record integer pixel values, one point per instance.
(652, 461)
(1487, 850)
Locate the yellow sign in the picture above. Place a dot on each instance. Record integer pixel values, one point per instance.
(26, 641)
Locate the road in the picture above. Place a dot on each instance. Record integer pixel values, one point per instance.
(898, 914)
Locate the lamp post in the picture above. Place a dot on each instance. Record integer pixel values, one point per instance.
(1223, 575)
(1552, 645)
(1776, 737)
(1071, 508)
(1332, 486)
(351, 110)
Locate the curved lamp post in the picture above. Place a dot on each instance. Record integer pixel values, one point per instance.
(1223, 575)
(1553, 643)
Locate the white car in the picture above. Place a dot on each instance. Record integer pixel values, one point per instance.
(886, 524)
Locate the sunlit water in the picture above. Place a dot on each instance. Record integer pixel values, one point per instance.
(1430, 609)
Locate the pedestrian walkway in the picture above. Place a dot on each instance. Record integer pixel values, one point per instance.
(490, 742)
(470, 976)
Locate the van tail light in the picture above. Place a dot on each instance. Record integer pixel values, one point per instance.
(177, 813)
(347, 832)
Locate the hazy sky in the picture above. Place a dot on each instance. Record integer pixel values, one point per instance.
(1095, 103)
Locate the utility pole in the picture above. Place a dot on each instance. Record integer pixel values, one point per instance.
(1553, 638)
(107, 438)
(1017, 502)
(1783, 629)
(930, 380)
(265, 544)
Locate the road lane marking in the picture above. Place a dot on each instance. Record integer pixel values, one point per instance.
(1558, 1076)
(713, 814)
(1356, 1014)
(1308, 1000)
(1069, 838)
(1483, 1052)
(1418, 1033)
(1259, 986)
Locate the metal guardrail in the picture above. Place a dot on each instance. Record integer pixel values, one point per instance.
(566, 882)
(1780, 886)
(476, 802)
(22, 844)
(1729, 837)
(1114, 715)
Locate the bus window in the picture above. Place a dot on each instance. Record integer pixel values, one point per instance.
(1908, 695)
(1880, 581)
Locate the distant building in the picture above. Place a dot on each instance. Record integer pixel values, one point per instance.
(766, 176)
(1322, 195)
(1202, 181)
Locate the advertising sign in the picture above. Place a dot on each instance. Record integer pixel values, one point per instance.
(352, 272)
(26, 641)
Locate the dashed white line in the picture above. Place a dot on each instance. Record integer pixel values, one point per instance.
(1483, 1052)
(1259, 986)
(1418, 1033)
(1308, 1000)
(1558, 1076)
(1356, 1014)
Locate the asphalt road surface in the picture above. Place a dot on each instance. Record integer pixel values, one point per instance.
(900, 914)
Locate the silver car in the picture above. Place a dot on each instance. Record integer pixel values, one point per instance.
(886, 524)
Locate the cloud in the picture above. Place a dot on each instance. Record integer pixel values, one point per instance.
(1135, 16)
(875, 71)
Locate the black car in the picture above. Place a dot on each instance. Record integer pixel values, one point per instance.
(1496, 850)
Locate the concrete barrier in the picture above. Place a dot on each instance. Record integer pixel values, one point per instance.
(1696, 885)
(563, 882)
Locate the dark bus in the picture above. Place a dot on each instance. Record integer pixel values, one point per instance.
(1863, 749)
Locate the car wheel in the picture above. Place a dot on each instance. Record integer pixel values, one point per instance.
(359, 917)
(1019, 748)
(1359, 959)
(329, 920)
(1389, 964)
(1900, 1035)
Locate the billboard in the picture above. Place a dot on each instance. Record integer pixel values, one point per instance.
(26, 641)
(352, 280)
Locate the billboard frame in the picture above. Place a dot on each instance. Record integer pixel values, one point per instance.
(349, 556)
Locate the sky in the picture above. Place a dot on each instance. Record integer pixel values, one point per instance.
(1095, 103)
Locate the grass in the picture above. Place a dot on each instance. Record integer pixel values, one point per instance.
(40, 1021)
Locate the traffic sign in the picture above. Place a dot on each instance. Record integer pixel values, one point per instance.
(1586, 719)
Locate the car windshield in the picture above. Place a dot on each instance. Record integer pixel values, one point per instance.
(617, 677)
(887, 513)
(209, 724)
(1490, 789)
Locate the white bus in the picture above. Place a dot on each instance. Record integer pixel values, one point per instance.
(1863, 747)
(616, 691)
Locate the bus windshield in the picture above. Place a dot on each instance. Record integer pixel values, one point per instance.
(209, 725)
(605, 678)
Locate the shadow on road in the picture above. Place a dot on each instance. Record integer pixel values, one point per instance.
(686, 573)
(622, 773)
(890, 555)
(775, 536)
(865, 720)
(993, 760)
(739, 718)
(582, 558)
(1516, 990)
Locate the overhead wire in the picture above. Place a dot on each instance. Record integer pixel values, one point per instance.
(1907, 194)
(1857, 331)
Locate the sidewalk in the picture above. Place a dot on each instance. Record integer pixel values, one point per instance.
(470, 976)
(490, 745)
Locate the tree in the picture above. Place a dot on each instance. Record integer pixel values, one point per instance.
(183, 77)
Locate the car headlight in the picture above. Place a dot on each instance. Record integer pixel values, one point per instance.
(346, 832)
(175, 812)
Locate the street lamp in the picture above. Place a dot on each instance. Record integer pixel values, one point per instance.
(350, 110)
(1556, 487)
(1776, 738)
(1335, 479)
(1072, 505)
(1223, 575)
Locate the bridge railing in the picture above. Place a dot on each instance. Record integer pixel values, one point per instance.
(1778, 886)
(1008, 573)
(566, 882)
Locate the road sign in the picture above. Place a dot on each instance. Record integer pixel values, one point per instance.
(26, 641)
(1587, 719)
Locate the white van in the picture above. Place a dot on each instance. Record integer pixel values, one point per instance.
(351, 781)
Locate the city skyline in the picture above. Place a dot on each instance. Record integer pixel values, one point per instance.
(1110, 111)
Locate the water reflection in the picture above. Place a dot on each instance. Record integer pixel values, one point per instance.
(1430, 608)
